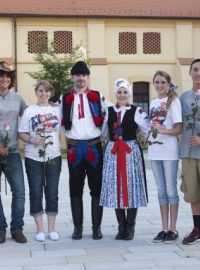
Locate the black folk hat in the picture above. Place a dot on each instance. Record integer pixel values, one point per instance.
(80, 67)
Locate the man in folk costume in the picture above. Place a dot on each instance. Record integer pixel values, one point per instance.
(82, 119)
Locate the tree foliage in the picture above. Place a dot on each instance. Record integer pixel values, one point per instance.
(55, 68)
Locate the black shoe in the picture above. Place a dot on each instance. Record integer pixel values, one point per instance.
(120, 214)
(171, 237)
(119, 236)
(160, 237)
(77, 234)
(96, 233)
(77, 216)
(2, 236)
(129, 234)
(97, 212)
(130, 223)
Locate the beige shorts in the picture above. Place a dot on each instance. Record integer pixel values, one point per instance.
(190, 185)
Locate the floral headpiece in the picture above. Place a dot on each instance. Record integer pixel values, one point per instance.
(173, 86)
(122, 83)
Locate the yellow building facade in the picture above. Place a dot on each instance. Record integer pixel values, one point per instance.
(114, 51)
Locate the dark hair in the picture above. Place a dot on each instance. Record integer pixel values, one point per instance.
(10, 74)
(47, 86)
(193, 62)
(171, 94)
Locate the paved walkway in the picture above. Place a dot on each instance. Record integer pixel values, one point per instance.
(105, 254)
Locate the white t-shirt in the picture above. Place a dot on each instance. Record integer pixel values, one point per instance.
(169, 150)
(38, 117)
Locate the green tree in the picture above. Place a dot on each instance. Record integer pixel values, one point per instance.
(55, 68)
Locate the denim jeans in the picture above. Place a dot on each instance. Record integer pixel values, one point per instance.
(38, 184)
(165, 174)
(14, 173)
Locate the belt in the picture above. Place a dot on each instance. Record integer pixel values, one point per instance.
(89, 142)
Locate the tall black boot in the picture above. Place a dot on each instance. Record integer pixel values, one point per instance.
(97, 212)
(130, 223)
(121, 218)
(77, 216)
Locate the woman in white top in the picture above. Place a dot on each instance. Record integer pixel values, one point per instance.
(166, 124)
(39, 128)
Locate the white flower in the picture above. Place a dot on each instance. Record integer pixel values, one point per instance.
(82, 52)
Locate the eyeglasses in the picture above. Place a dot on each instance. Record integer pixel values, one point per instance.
(162, 82)
(124, 92)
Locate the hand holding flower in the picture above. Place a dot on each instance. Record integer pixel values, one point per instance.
(38, 140)
(159, 128)
(194, 141)
(3, 151)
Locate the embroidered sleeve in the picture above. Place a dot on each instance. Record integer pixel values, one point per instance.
(142, 121)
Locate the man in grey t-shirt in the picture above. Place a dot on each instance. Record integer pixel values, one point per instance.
(11, 107)
(190, 150)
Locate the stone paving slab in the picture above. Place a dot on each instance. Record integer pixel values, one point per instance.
(106, 254)
(58, 267)
(147, 264)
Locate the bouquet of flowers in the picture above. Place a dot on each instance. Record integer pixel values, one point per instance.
(157, 115)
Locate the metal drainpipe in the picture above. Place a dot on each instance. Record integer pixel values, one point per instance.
(15, 49)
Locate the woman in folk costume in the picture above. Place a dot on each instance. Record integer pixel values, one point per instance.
(124, 182)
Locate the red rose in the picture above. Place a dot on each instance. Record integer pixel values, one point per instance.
(71, 156)
(92, 96)
(98, 120)
(69, 99)
(91, 155)
(115, 125)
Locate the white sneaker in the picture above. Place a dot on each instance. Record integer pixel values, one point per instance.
(40, 237)
(54, 236)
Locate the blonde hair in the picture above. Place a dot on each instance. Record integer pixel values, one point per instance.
(47, 86)
(171, 94)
